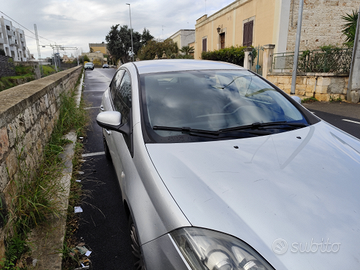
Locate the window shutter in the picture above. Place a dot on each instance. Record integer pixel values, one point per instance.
(248, 33)
(204, 43)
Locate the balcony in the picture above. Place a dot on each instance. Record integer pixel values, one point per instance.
(1, 40)
(10, 33)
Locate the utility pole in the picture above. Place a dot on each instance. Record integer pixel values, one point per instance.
(297, 46)
(58, 47)
(354, 76)
(38, 48)
(131, 33)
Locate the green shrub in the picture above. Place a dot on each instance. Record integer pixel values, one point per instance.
(233, 55)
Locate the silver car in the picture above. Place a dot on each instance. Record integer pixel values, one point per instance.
(219, 169)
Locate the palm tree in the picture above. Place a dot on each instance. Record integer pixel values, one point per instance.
(187, 50)
(349, 28)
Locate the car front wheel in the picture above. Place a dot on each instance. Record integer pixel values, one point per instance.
(138, 259)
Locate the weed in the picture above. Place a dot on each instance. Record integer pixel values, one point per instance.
(309, 100)
(335, 99)
(35, 194)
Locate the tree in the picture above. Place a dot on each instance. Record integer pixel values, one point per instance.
(146, 36)
(2, 52)
(119, 42)
(86, 58)
(158, 48)
(187, 50)
(349, 28)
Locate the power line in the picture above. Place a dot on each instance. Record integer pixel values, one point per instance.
(25, 27)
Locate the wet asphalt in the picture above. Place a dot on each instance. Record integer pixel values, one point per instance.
(103, 223)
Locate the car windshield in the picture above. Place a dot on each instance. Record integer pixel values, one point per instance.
(213, 103)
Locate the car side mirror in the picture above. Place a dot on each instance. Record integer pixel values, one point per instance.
(297, 99)
(112, 121)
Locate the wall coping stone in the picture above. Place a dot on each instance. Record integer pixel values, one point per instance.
(16, 99)
(309, 74)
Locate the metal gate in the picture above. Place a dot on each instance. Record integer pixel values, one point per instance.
(257, 62)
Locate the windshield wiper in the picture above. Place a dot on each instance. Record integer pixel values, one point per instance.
(193, 131)
(188, 130)
(257, 126)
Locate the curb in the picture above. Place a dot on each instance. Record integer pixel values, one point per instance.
(48, 240)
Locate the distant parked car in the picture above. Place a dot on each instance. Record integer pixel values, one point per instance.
(89, 65)
(219, 169)
(105, 66)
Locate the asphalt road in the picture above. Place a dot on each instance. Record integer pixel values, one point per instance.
(103, 224)
(345, 116)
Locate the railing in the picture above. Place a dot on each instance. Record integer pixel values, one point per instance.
(329, 60)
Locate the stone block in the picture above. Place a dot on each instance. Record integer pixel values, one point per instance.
(322, 97)
(284, 80)
(337, 85)
(300, 92)
(12, 163)
(4, 176)
(321, 89)
(4, 142)
(355, 96)
(309, 88)
(310, 81)
(46, 101)
(28, 118)
(324, 81)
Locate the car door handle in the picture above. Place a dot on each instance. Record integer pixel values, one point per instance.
(102, 108)
(107, 131)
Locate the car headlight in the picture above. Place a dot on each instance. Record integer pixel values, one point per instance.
(209, 250)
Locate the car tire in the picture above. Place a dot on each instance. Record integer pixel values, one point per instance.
(106, 149)
(138, 259)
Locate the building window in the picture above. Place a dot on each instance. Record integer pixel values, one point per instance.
(248, 33)
(222, 40)
(204, 44)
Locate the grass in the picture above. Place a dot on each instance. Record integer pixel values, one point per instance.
(48, 70)
(24, 74)
(335, 99)
(34, 193)
(309, 100)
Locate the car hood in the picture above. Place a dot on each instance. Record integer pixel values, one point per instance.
(299, 188)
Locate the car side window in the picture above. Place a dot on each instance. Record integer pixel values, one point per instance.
(122, 98)
(116, 83)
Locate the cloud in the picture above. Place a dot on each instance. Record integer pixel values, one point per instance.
(76, 23)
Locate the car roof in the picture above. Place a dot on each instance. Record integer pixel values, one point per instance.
(168, 65)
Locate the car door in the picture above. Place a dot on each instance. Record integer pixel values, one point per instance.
(121, 144)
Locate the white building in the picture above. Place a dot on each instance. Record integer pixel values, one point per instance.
(184, 37)
(12, 41)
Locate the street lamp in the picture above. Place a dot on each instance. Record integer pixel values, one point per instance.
(132, 45)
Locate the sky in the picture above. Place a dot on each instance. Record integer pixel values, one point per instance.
(76, 23)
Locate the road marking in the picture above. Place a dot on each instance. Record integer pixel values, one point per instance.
(93, 154)
(351, 121)
(90, 108)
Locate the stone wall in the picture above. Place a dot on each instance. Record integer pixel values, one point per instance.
(6, 66)
(322, 22)
(323, 87)
(28, 114)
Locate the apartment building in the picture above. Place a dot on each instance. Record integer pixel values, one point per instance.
(12, 41)
(98, 47)
(260, 22)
